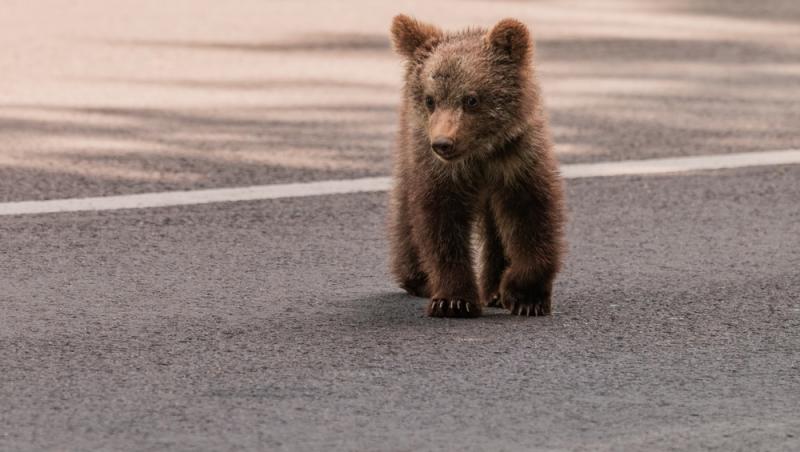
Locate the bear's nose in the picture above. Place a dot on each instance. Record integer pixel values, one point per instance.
(442, 146)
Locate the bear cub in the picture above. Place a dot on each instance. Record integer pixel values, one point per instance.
(474, 155)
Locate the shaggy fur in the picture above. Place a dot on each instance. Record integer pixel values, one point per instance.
(474, 150)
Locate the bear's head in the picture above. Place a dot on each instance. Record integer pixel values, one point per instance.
(469, 92)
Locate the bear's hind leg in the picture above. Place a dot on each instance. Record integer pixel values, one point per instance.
(493, 259)
(405, 265)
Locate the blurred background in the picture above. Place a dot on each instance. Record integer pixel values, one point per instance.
(100, 98)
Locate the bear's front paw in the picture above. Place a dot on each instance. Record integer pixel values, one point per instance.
(453, 307)
(531, 302)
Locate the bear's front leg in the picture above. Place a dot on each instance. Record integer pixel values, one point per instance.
(442, 235)
(530, 223)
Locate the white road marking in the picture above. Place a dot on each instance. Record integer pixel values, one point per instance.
(377, 184)
(681, 164)
(186, 198)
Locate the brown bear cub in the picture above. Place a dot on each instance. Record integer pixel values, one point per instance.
(474, 149)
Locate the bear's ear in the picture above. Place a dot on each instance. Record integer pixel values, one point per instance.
(511, 38)
(408, 34)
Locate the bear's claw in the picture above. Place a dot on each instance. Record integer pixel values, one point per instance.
(527, 310)
(527, 306)
(454, 307)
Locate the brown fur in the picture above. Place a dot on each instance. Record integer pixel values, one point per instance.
(474, 149)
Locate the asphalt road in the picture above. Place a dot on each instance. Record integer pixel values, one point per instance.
(273, 325)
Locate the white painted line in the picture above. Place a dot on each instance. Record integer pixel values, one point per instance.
(681, 164)
(377, 184)
(186, 198)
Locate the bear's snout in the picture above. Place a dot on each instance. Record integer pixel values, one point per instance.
(444, 147)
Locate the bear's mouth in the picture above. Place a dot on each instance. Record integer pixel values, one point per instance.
(446, 156)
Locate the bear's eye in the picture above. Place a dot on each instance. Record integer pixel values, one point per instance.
(430, 103)
(471, 102)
